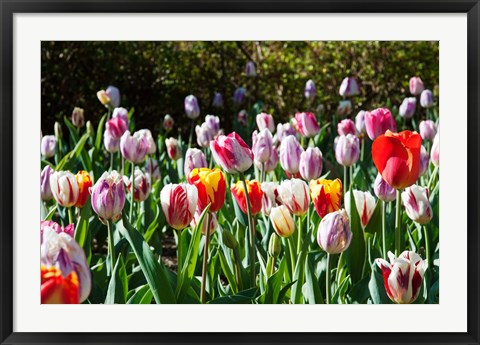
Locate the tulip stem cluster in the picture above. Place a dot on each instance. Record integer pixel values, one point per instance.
(328, 285)
(398, 222)
(384, 234)
(203, 296)
(70, 215)
(111, 246)
(132, 194)
(252, 230)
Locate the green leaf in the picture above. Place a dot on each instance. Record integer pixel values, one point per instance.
(81, 228)
(375, 223)
(299, 274)
(377, 288)
(74, 154)
(190, 262)
(243, 297)
(142, 295)
(51, 213)
(118, 286)
(274, 285)
(359, 292)
(355, 254)
(99, 138)
(154, 271)
(311, 288)
(228, 272)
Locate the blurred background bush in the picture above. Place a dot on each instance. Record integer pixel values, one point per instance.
(155, 77)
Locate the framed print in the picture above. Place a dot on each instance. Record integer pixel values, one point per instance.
(238, 172)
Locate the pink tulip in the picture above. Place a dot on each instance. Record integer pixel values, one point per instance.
(416, 86)
(173, 149)
(134, 147)
(346, 126)
(428, 129)
(435, 153)
(378, 121)
(347, 150)
(265, 120)
(232, 153)
(307, 124)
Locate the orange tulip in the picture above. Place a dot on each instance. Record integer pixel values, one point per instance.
(397, 157)
(57, 289)
(255, 195)
(326, 195)
(211, 186)
(84, 182)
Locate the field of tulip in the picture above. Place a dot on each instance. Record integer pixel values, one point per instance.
(340, 208)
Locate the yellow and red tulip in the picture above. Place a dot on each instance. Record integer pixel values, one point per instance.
(255, 195)
(211, 186)
(84, 182)
(326, 195)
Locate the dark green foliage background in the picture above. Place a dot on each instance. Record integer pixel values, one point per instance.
(155, 77)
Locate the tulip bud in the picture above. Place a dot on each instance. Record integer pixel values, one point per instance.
(57, 129)
(78, 119)
(179, 202)
(213, 123)
(152, 169)
(365, 204)
(403, 276)
(310, 90)
(344, 107)
(45, 190)
(262, 145)
(255, 195)
(111, 143)
(307, 124)
(48, 145)
(349, 87)
(59, 249)
(290, 152)
(192, 108)
(108, 196)
(426, 99)
(103, 97)
(168, 123)
(265, 120)
(347, 150)
(270, 164)
(228, 239)
(231, 153)
(151, 146)
(334, 234)
(242, 117)
(378, 121)
(383, 190)
(424, 160)
(213, 222)
(311, 162)
(239, 95)
(114, 94)
(134, 147)
(211, 186)
(269, 198)
(416, 86)
(250, 69)
(295, 195)
(217, 100)
(121, 113)
(173, 148)
(346, 126)
(428, 129)
(274, 246)
(84, 182)
(194, 158)
(116, 126)
(204, 135)
(282, 221)
(407, 108)
(90, 129)
(360, 121)
(326, 195)
(284, 130)
(64, 188)
(142, 185)
(435, 153)
(417, 205)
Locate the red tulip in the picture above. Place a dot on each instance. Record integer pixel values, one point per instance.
(397, 157)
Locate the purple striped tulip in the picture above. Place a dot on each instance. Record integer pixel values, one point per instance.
(192, 108)
(349, 87)
(134, 147)
(239, 95)
(407, 108)
(217, 100)
(250, 69)
(307, 124)
(45, 190)
(108, 196)
(270, 164)
(262, 145)
(194, 158)
(435, 153)
(426, 99)
(383, 190)
(111, 143)
(311, 163)
(310, 90)
(153, 169)
(48, 145)
(347, 150)
(428, 130)
(334, 234)
(416, 86)
(290, 152)
(265, 120)
(424, 160)
(346, 126)
(213, 123)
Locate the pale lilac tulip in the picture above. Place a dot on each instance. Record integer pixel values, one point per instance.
(265, 120)
(194, 158)
(416, 86)
(407, 108)
(334, 234)
(134, 147)
(290, 152)
(191, 107)
(48, 145)
(349, 87)
(262, 145)
(311, 163)
(347, 150)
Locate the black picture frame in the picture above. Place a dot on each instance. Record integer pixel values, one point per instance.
(10, 7)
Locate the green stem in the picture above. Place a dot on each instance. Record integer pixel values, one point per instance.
(384, 234)
(432, 178)
(427, 246)
(351, 176)
(111, 245)
(191, 135)
(236, 257)
(299, 235)
(362, 149)
(291, 249)
(251, 232)
(328, 287)
(70, 215)
(398, 223)
(111, 161)
(132, 193)
(179, 253)
(344, 177)
(205, 262)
